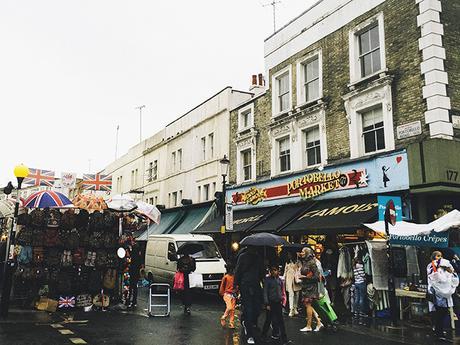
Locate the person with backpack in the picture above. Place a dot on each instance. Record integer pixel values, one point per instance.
(186, 264)
(134, 275)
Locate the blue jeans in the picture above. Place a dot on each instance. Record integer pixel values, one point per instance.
(360, 298)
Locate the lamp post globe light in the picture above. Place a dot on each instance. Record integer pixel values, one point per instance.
(20, 172)
(224, 165)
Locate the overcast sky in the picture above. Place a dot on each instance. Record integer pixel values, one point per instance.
(71, 71)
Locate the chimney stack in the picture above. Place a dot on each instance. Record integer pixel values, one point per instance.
(257, 83)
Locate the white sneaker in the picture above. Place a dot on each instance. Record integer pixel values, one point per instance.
(306, 329)
(291, 313)
(251, 340)
(318, 327)
(296, 312)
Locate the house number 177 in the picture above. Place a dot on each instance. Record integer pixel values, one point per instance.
(452, 175)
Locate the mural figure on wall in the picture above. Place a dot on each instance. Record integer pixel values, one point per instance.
(385, 176)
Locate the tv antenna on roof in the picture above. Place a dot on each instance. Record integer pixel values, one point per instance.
(273, 3)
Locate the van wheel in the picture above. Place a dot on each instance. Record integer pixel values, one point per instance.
(150, 277)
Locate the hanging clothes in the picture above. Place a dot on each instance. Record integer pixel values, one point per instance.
(367, 264)
(344, 266)
(412, 261)
(379, 264)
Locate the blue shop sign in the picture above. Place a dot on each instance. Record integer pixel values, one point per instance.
(433, 239)
(383, 200)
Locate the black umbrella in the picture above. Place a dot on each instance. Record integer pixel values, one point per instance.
(190, 248)
(264, 239)
(295, 247)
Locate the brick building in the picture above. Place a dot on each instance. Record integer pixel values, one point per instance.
(369, 89)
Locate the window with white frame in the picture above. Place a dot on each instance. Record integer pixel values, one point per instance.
(155, 170)
(150, 172)
(169, 200)
(156, 200)
(133, 179)
(203, 148)
(179, 159)
(373, 130)
(246, 117)
(246, 161)
(310, 78)
(174, 198)
(283, 92)
(173, 161)
(206, 192)
(180, 196)
(199, 194)
(211, 144)
(284, 154)
(214, 188)
(367, 48)
(313, 146)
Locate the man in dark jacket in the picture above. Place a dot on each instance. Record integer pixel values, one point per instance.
(134, 274)
(248, 276)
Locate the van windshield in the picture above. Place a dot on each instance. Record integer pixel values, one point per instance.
(210, 250)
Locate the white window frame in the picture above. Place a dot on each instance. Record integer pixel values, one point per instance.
(179, 159)
(356, 104)
(241, 146)
(304, 145)
(174, 199)
(203, 149)
(173, 161)
(242, 153)
(249, 109)
(206, 190)
(301, 96)
(361, 114)
(278, 153)
(275, 89)
(211, 144)
(199, 194)
(355, 62)
(155, 170)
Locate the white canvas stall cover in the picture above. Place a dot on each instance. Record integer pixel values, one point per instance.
(444, 223)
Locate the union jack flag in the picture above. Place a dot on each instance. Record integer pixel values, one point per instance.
(97, 182)
(66, 302)
(39, 177)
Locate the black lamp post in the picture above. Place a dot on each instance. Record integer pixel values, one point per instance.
(224, 164)
(20, 172)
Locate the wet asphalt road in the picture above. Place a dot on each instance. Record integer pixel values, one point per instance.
(202, 327)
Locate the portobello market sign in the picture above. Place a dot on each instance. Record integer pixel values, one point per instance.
(379, 175)
(306, 187)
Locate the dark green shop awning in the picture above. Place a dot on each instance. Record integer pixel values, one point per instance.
(243, 220)
(337, 215)
(192, 218)
(168, 221)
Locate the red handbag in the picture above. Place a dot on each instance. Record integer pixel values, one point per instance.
(179, 281)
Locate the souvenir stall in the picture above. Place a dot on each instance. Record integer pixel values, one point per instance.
(67, 256)
(411, 245)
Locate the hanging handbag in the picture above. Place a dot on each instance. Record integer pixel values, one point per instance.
(179, 284)
(195, 280)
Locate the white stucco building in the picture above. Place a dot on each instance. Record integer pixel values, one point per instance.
(181, 161)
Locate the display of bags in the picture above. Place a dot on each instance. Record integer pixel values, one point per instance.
(68, 220)
(110, 279)
(96, 240)
(101, 258)
(37, 217)
(38, 255)
(51, 237)
(179, 281)
(66, 258)
(90, 259)
(25, 255)
(101, 300)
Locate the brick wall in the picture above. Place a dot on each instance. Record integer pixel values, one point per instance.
(403, 60)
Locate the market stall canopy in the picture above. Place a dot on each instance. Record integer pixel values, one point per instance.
(433, 234)
(121, 203)
(7, 208)
(243, 220)
(335, 215)
(149, 210)
(89, 202)
(47, 198)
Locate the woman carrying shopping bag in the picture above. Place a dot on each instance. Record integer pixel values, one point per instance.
(186, 265)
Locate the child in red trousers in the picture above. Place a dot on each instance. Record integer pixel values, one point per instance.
(227, 292)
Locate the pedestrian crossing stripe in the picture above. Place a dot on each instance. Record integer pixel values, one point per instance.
(77, 341)
(65, 331)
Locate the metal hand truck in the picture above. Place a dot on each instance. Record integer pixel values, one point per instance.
(159, 300)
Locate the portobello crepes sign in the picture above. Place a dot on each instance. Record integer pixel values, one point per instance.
(306, 187)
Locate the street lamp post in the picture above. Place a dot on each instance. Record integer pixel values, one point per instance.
(224, 164)
(20, 172)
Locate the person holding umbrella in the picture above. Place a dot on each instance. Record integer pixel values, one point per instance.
(186, 264)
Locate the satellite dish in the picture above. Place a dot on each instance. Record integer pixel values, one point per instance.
(121, 252)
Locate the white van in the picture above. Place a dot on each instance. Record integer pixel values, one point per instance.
(161, 257)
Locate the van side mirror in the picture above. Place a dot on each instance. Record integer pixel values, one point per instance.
(172, 256)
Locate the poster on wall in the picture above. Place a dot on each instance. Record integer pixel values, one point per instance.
(383, 174)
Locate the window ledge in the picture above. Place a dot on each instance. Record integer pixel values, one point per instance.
(371, 77)
(246, 130)
(310, 104)
(281, 114)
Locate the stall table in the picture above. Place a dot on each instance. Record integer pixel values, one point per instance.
(400, 294)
